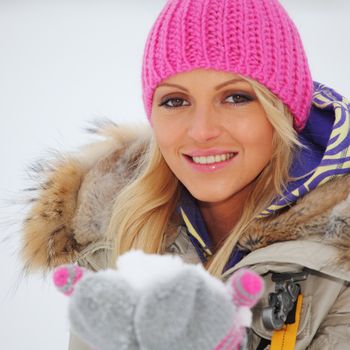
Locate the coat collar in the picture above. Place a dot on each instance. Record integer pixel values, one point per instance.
(290, 257)
(197, 232)
(326, 152)
(71, 204)
(325, 156)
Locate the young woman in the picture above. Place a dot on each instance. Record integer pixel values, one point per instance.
(246, 164)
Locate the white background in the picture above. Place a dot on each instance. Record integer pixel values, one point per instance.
(65, 63)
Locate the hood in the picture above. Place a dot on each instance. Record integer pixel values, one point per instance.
(326, 152)
(324, 213)
(72, 199)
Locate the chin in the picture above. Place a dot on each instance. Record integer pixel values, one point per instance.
(212, 196)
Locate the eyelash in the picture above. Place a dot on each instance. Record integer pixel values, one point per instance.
(164, 103)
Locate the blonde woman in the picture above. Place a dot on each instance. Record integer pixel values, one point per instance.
(245, 165)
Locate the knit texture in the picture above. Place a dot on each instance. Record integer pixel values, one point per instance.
(157, 302)
(253, 38)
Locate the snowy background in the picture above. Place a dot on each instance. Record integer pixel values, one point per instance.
(65, 63)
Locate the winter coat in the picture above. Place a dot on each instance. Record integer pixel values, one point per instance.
(309, 232)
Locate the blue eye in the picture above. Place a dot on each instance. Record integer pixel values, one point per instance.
(239, 98)
(175, 102)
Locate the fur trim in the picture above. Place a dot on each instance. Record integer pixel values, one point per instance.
(323, 214)
(76, 194)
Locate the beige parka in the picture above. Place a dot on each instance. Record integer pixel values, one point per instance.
(68, 219)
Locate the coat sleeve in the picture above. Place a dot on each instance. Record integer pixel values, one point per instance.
(96, 256)
(334, 331)
(76, 343)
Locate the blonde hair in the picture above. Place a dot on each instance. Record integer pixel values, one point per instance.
(143, 209)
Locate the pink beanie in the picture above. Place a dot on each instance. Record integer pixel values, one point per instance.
(253, 38)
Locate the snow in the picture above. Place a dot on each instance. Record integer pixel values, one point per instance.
(142, 271)
(64, 63)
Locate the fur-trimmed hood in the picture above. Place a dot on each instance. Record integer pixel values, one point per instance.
(72, 202)
(73, 194)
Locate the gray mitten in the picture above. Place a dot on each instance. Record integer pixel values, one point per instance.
(155, 302)
(101, 311)
(187, 311)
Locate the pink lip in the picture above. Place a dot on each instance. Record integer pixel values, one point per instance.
(208, 168)
(207, 152)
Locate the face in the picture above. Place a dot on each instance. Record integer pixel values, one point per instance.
(213, 133)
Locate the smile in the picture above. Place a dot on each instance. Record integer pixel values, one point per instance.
(209, 163)
(218, 158)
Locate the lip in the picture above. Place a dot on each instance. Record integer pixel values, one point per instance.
(208, 152)
(208, 168)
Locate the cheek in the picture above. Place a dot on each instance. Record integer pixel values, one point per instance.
(168, 138)
(164, 139)
(256, 136)
(261, 137)
(169, 130)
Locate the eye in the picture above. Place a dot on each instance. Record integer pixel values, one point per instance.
(172, 102)
(239, 98)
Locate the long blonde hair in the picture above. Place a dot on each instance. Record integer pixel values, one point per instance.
(143, 209)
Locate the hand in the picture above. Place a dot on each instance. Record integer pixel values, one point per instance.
(155, 302)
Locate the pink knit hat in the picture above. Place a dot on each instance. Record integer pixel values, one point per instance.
(253, 38)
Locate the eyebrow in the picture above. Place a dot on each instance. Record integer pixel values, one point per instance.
(232, 81)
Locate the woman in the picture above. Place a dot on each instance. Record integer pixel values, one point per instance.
(246, 164)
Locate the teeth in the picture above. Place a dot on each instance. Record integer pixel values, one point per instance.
(218, 158)
(213, 159)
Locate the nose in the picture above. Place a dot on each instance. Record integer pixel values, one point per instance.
(204, 124)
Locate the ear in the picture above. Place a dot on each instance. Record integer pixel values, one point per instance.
(65, 277)
(246, 288)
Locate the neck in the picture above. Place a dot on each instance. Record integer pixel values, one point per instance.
(221, 217)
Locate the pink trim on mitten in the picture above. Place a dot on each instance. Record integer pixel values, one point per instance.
(65, 277)
(233, 339)
(246, 288)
